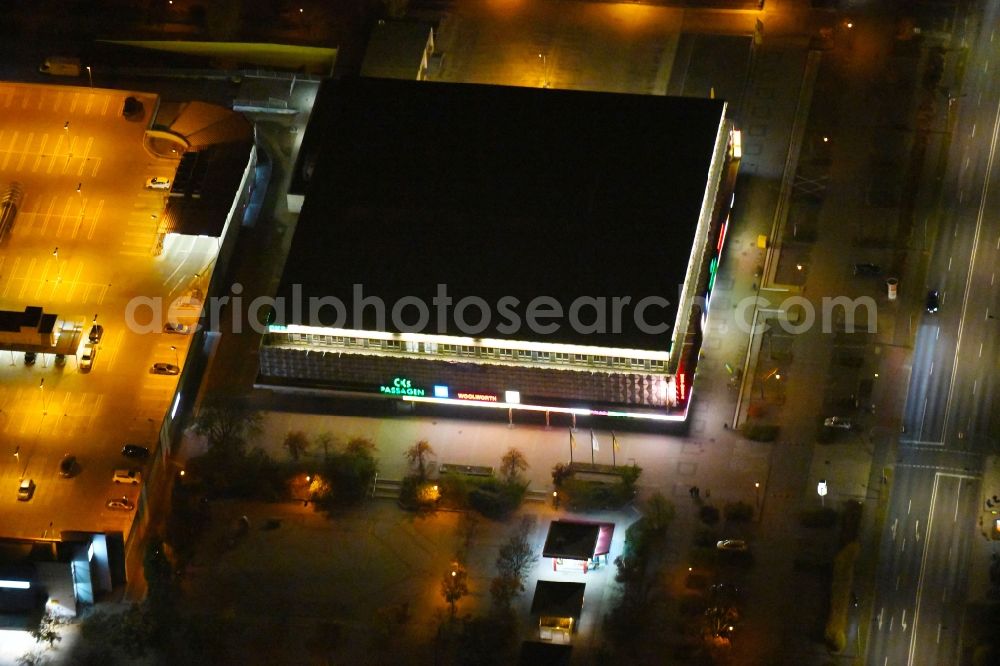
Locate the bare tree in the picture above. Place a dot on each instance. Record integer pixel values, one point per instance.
(417, 455)
(297, 444)
(512, 464)
(227, 423)
(514, 562)
(454, 586)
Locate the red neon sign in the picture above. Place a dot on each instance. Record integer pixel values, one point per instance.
(479, 397)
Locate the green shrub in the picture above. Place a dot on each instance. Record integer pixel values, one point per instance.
(835, 633)
(708, 514)
(818, 518)
(738, 512)
(496, 499)
(760, 432)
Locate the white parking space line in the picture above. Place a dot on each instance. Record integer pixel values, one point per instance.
(116, 347)
(24, 153)
(93, 220)
(9, 151)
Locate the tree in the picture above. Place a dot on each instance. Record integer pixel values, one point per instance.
(512, 464)
(514, 563)
(417, 455)
(227, 423)
(360, 446)
(325, 441)
(659, 512)
(454, 586)
(46, 631)
(297, 443)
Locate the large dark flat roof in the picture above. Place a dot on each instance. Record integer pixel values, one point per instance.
(500, 191)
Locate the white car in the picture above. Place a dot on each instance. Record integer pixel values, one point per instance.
(737, 545)
(25, 490)
(158, 183)
(179, 329)
(130, 476)
(842, 422)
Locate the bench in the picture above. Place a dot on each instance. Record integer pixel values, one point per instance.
(467, 470)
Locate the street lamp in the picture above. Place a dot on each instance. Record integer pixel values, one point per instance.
(821, 491)
(756, 488)
(545, 70)
(173, 348)
(90, 76)
(41, 387)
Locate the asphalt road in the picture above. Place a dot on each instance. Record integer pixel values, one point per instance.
(948, 418)
(82, 245)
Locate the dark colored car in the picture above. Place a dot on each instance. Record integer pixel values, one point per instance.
(868, 270)
(96, 333)
(135, 451)
(132, 108)
(67, 466)
(29, 358)
(933, 301)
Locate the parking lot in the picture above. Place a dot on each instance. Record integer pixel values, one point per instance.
(82, 245)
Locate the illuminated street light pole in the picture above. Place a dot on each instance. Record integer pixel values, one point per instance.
(90, 76)
(41, 387)
(545, 69)
(177, 362)
(756, 488)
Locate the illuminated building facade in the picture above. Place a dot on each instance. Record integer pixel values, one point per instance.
(520, 249)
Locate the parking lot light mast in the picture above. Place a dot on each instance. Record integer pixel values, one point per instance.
(177, 362)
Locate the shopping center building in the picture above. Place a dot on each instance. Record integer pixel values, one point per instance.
(526, 250)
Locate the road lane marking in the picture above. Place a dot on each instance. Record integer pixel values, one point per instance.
(980, 350)
(958, 498)
(902, 621)
(971, 271)
(898, 578)
(93, 219)
(903, 548)
(975, 383)
(923, 566)
(895, 522)
(916, 530)
(880, 614)
(939, 633)
(909, 505)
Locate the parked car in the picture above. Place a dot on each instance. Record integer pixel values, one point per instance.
(736, 545)
(29, 358)
(158, 183)
(96, 333)
(164, 369)
(135, 451)
(67, 466)
(130, 476)
(131, 108)
(179, 329)
(841, 422)
(60, 360)
(87, 357)
(933, 301)
(867, 270)
(120, 504)
(25, 490)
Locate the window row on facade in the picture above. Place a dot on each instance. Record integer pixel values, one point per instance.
(474, 352)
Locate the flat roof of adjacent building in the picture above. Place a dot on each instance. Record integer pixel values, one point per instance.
(396, 49)
(571, 540)
(558, 598)
(500, 191)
